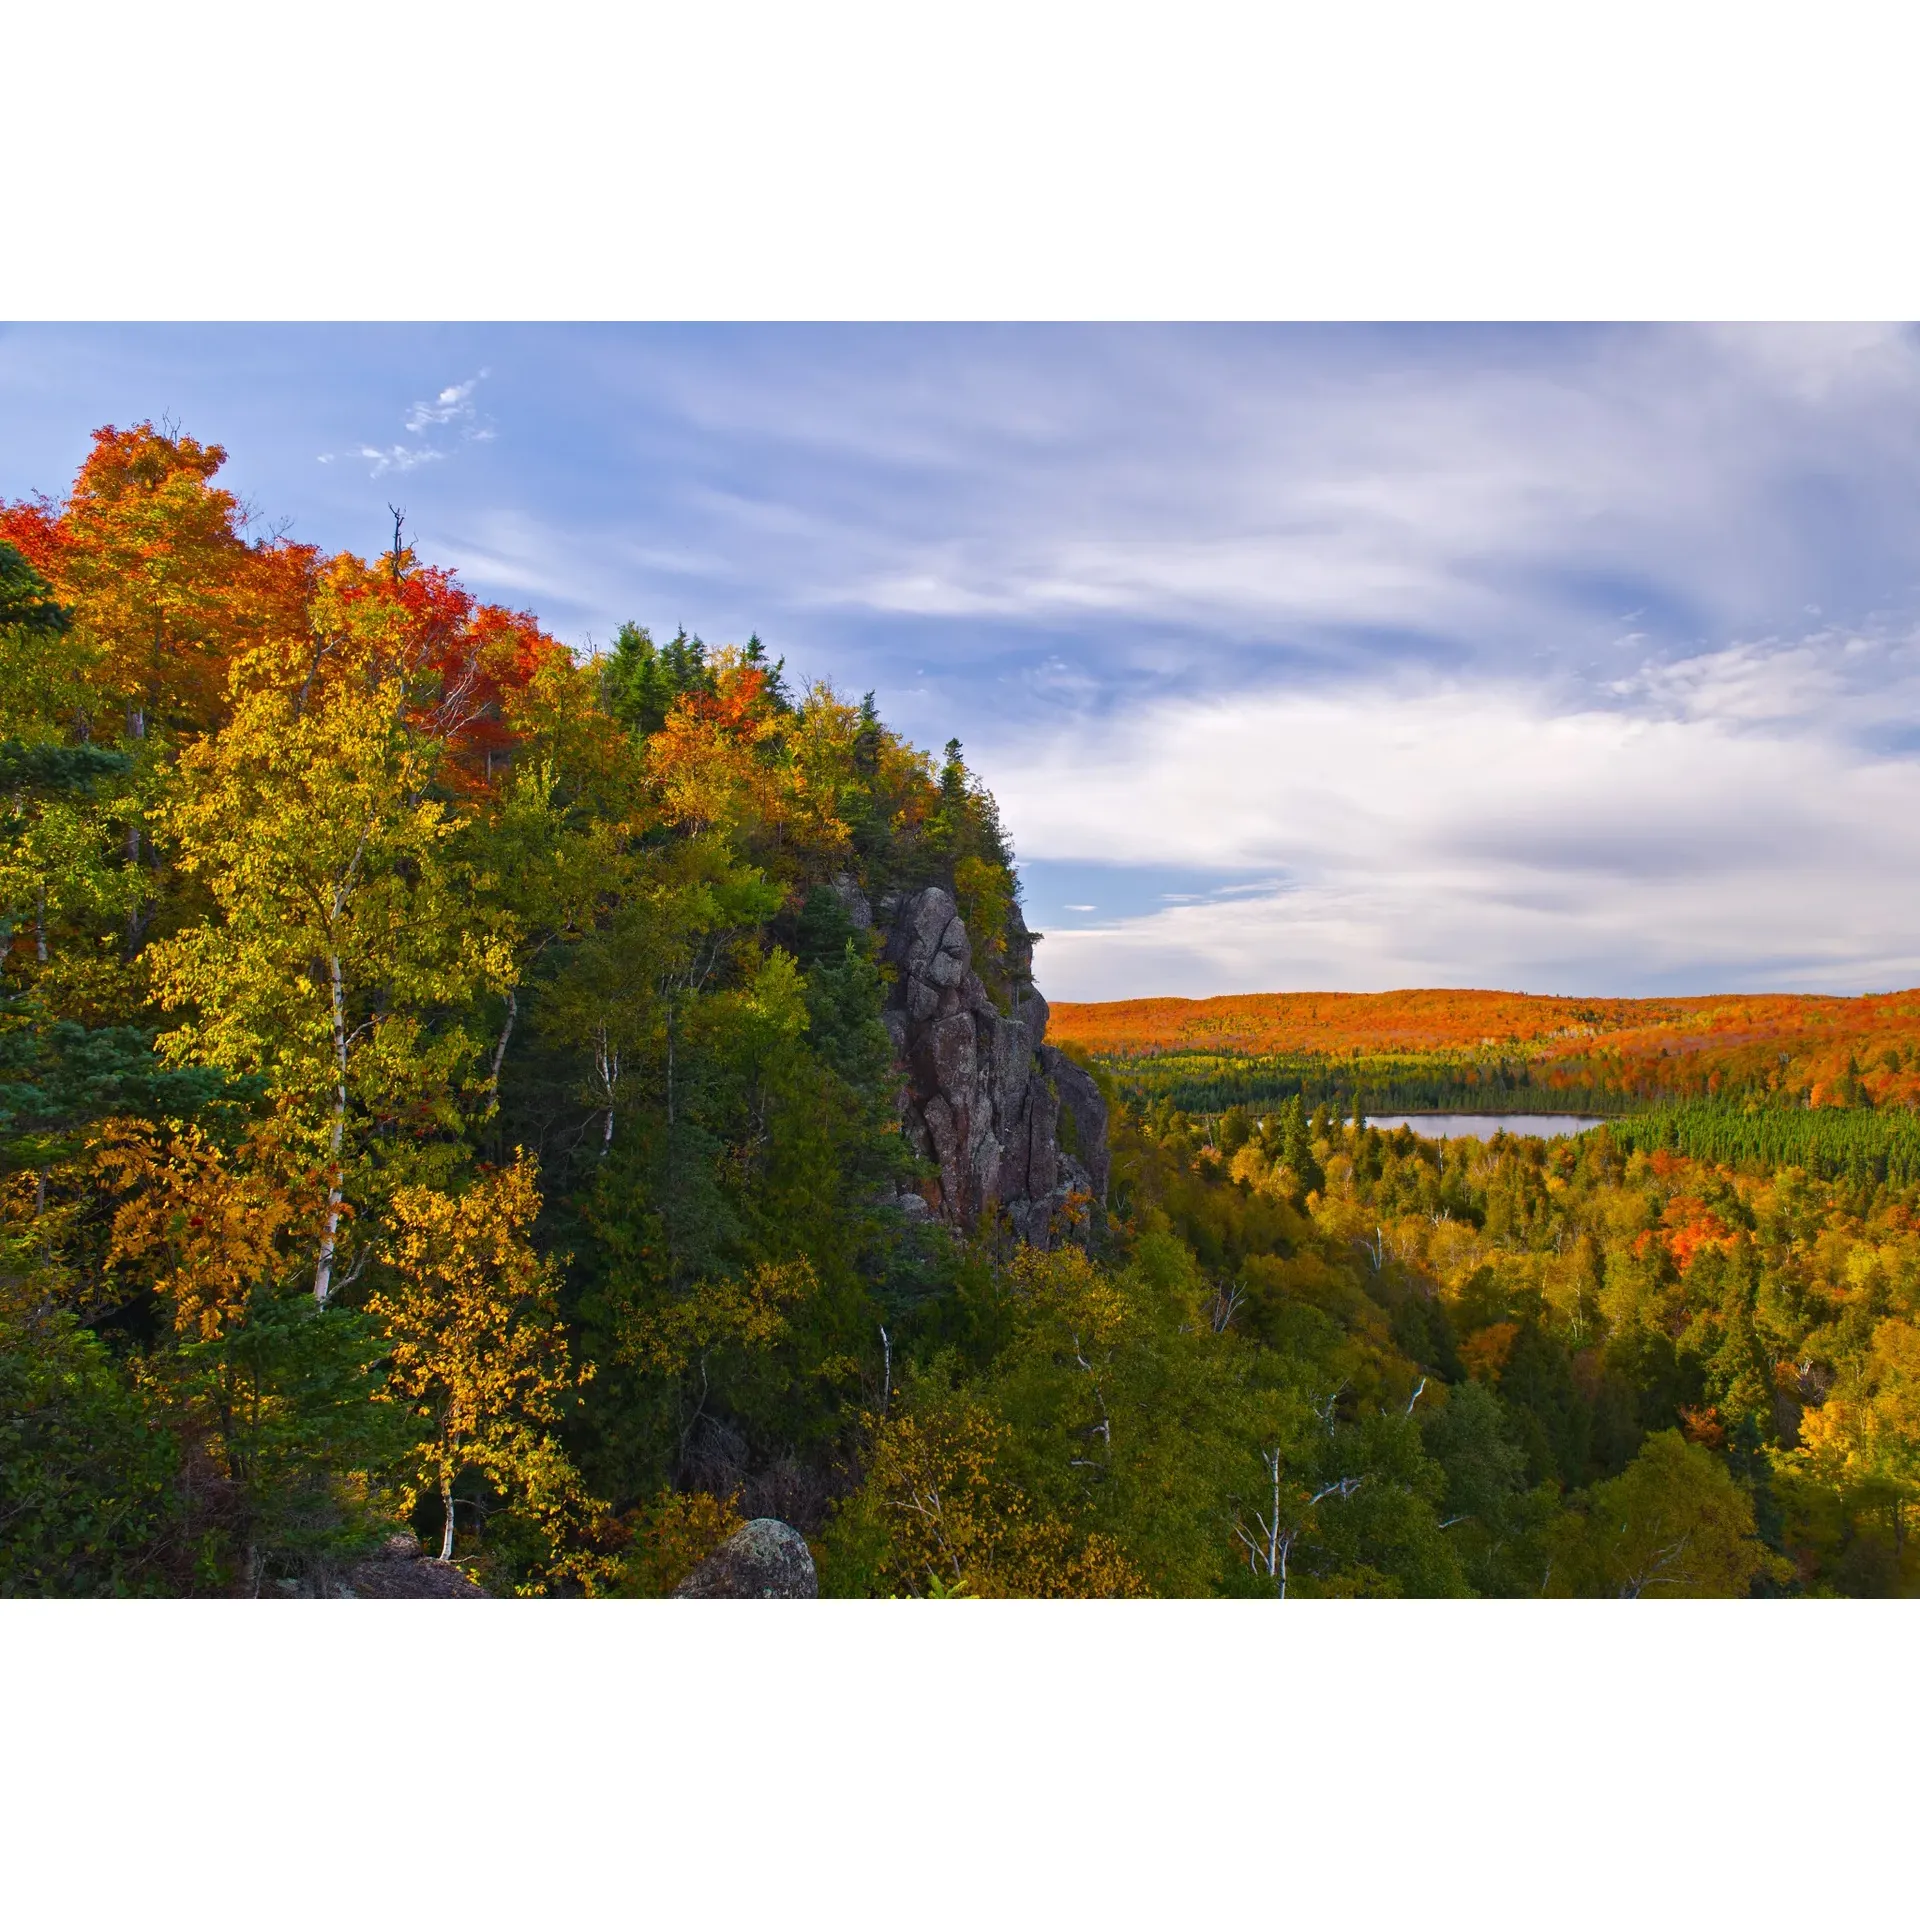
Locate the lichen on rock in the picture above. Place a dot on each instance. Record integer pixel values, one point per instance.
(764, 1560)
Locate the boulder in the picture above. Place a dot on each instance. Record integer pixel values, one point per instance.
(764, 1560)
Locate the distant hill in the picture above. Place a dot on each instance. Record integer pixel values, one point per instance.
(1815, 1049)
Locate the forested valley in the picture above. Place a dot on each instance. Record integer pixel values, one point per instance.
(453, 1088)
(1475, 1051)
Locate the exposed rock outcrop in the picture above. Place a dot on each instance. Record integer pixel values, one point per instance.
(764, 1560)
(1012, 1124)
(401, 1570)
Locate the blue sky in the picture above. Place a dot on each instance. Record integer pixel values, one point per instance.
(1556, 658)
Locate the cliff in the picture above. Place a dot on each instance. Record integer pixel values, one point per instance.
(1010, 1125)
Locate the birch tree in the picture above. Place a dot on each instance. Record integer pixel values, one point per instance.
(347, 933)
(479, 1354)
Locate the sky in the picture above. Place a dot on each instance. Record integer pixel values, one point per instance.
(1563, 659)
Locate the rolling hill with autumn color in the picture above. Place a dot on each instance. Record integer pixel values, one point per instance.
(1812, 1049)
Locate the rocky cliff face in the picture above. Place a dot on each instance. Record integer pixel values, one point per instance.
(1011, 1124)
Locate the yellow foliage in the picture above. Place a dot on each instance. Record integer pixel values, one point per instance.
(750, 1312)
(1453, 1251)
(950, 1520)
(672, 1535)
(1065, 1285)
(1867, 1432)
(478, 1352)
(308, 820)
(341, 917)
(204, 1231)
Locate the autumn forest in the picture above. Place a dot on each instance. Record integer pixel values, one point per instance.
(451, 1090)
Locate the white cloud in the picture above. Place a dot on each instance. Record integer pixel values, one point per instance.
(450, 404)
(397, 459)
(1426, 833)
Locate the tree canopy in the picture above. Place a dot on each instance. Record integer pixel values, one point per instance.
(443, 1089)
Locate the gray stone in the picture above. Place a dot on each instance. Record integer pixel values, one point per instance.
(982, 1097)
(847, 891)
(916, 932)
(1043, 1157)
(1080, 1097)
(765, 1560)
(1010, 1189)
(1033, 1011)
(983, 1152)
(938, 1118)
(946, 969)
(950, 1057)
(1011, 1061)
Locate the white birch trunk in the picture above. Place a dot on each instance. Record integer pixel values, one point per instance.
(330, 1229)
(506, 1034)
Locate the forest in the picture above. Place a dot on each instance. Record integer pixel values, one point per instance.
(444, 1088)
(1485, 1052)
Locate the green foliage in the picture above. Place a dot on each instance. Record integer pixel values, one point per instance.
(58, 1077)
(1204, 1082)
(28, 609)
(42, 674)
(1673, 1525)
(289, 1401)
(1867, 1144)
(90, 1501)
(643, 681)
(55, 769)
(1488, 1499)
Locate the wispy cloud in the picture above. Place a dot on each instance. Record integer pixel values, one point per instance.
(453, 407)
(449, 405)
(397, 459)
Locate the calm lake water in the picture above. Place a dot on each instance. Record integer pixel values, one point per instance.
(1483, 1126)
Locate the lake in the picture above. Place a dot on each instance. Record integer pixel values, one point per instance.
(1483, 1126)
